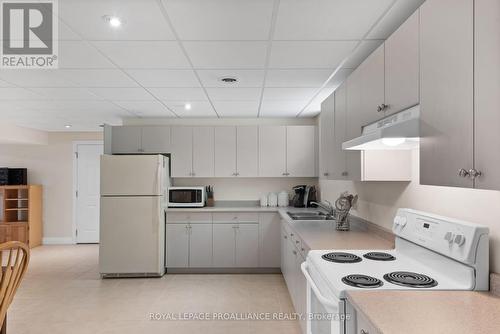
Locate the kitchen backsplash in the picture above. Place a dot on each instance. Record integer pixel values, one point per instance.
(244, 189)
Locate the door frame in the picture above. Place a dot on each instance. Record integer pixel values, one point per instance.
(75, 180)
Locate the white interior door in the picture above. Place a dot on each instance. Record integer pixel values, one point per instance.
(87, 187)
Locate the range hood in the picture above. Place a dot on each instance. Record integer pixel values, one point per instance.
(400, 131)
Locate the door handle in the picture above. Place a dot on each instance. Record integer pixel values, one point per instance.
(321, 298)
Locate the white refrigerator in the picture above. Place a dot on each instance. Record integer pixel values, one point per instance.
(133, 200)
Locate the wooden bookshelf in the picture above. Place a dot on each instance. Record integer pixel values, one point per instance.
(21, 214)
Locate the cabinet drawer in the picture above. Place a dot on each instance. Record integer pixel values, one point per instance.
(236, 217)
(189, 217)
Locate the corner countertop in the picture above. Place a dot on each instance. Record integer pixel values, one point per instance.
(323, 235)
(315, 234)
(443, 312)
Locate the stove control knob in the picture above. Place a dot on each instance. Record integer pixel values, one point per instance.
(459, 240)
(397, 220)
(402, 221)
(449, 237)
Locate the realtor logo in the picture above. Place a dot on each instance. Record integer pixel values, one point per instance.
(29, 34)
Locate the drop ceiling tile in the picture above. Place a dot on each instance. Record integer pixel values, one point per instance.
(297, 78)
(125, 94)
(246, 78)
(394, 18)
(237, 108)
(79, 54)
(98, 78)
(42, 78)
(227, 54)
(142, 20)
(15, 93)
(146, 108)
(66, 93)
(288, 94)
(234, 94)
(144, 54)
(327, 19)
(165, 78)
(88, 108)
(198, 109)
(281, 108)
(311, 54)
(179, 94)
(363, 51)
(220, 19)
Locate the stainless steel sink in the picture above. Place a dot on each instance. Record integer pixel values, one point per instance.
(309, 215)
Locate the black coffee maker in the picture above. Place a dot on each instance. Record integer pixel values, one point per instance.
(304, 195)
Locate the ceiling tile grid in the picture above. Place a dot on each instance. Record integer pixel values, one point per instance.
(168, 57)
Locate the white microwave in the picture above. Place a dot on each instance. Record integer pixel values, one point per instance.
(186, 197)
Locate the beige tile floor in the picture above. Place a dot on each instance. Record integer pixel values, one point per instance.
(62, 293)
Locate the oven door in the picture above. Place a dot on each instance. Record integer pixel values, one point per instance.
(324, 315)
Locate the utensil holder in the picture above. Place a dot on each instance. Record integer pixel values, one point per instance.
(342, 222)
(210, 202)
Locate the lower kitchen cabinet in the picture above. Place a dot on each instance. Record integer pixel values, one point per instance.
(291, 261)
(224, 247)
(247, 245)
(187, 245)
(269, 233)
(200, 245)
(177, 245)
(223, 240)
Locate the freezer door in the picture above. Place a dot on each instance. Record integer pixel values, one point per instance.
(132, 236)
(133, 175)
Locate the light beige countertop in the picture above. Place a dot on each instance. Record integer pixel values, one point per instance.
(443, 312)
(315, 234)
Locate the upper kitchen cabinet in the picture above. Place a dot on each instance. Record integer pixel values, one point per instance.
(225, 151)
(137, 139)
(301, 151)
(236, 151)
(365, 93)
(339, 156)
(192, 151)
(326, 134)
(446, 92)
(182, 151)
(125, 139)
(272, 151)
(287, 151)
(402, 67)
(203, 151)
(247, 151)
(487, 96)
(155, 139)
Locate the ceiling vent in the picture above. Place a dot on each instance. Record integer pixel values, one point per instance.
(228, 80)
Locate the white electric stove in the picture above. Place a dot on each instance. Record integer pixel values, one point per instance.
(431, 253)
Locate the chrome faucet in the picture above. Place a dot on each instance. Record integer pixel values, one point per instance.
(328, 207)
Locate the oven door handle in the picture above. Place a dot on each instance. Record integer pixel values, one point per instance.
(313, 286)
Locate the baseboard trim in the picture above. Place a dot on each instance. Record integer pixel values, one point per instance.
(58, 241)
(223, 271)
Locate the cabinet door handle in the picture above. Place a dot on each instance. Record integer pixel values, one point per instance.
(463, 172)
(474, 173)
(294, 252)
(297, 242)
(345, 173)
(363, 332)
(285, 237)
(325, 174)
(379, 108)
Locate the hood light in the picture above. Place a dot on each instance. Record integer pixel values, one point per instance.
(393, 141)
(187, 106)
(113, 21)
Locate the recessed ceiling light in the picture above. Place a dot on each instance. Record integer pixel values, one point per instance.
(113, 21)
(187, 106)
(68, 126)
(228, 80)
